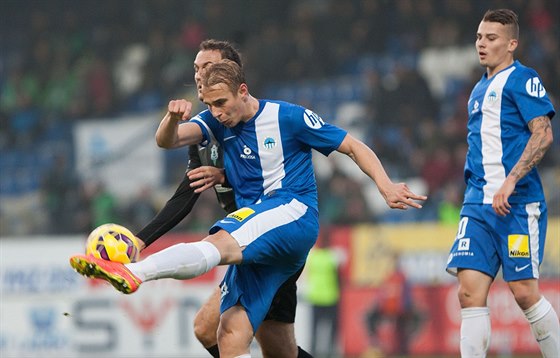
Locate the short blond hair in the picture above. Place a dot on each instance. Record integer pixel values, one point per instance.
(225, 71)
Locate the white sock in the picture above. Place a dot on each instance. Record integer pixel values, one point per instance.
(545, 327)
(244, 356)
(181, 261)
(475, 332)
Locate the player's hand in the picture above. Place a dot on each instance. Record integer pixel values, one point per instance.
(179, 109)
(205, 177)
(500, 202)
(399, 196)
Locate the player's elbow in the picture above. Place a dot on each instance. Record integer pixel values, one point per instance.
(548, 139)
(163, 142)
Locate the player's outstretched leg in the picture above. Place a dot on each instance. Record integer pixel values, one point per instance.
(115, 273)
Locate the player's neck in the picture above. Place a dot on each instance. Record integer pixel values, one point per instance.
(492, 71)
(251, 108)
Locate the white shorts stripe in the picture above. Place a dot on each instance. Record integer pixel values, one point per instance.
(534, 214)
(269, 220)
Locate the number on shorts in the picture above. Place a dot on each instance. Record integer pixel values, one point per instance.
(462, 227)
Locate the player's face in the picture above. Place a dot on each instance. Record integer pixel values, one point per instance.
(225, 106)
(201, 62)
(495, 46)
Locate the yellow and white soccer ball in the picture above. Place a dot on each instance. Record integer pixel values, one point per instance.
(113, 242)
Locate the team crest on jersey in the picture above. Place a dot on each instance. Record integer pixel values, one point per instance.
(241, 214)
(518, 246)
(269, 143)
(312, 119)
(214, 154)
(492, 96)
(534, 87)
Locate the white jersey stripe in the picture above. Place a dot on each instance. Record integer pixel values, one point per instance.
(491, 136)
(534, 213)
(197, 119)
(269, 220)
(271, 152)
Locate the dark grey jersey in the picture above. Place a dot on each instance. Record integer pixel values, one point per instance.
(212, 155)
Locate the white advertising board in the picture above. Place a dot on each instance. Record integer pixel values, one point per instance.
(48, 310)
(121, 153)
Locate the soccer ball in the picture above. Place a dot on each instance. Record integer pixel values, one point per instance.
(113, 242)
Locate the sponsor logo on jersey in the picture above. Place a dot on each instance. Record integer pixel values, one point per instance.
(247, 153)
(518, 245)
(534, 87)
(312, 119)
(492, 96)
(464, 244)
(476, 106)
(241, 214)
(269, 143)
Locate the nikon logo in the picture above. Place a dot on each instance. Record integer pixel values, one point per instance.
(518, 253)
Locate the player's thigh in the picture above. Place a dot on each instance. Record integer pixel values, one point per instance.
(476, 246)
(207, 319)
(277, 339)
(284, 303)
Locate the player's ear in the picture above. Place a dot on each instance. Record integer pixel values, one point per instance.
(243, 91)
(513, 45)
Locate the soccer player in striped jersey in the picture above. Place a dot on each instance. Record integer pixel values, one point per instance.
(276, 335)
(504, 215)
(267, 148)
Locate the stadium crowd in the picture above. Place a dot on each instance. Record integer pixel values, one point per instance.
(410, 65)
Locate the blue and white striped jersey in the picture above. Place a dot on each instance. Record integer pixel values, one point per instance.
(272, 151)
(500, 109)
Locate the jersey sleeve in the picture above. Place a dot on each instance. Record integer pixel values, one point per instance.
(194, 158)
(530, 96)
(210, 127)
(312, 130)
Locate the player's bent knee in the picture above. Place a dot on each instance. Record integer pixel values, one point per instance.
(203, 333)
(205, 330)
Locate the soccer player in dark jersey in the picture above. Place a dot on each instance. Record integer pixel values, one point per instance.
(204, 170)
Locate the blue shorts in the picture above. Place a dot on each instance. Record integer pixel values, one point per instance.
(276, 236)
(486, 241)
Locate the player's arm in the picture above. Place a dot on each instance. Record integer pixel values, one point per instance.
(172, 135)
(175, 210)
(540, 140)
(397, 196)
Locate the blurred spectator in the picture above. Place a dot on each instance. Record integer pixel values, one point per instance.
(103, 205)
(394, 306)
(141, 209)
(58, 189)
(449, 207)
(323, 293)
